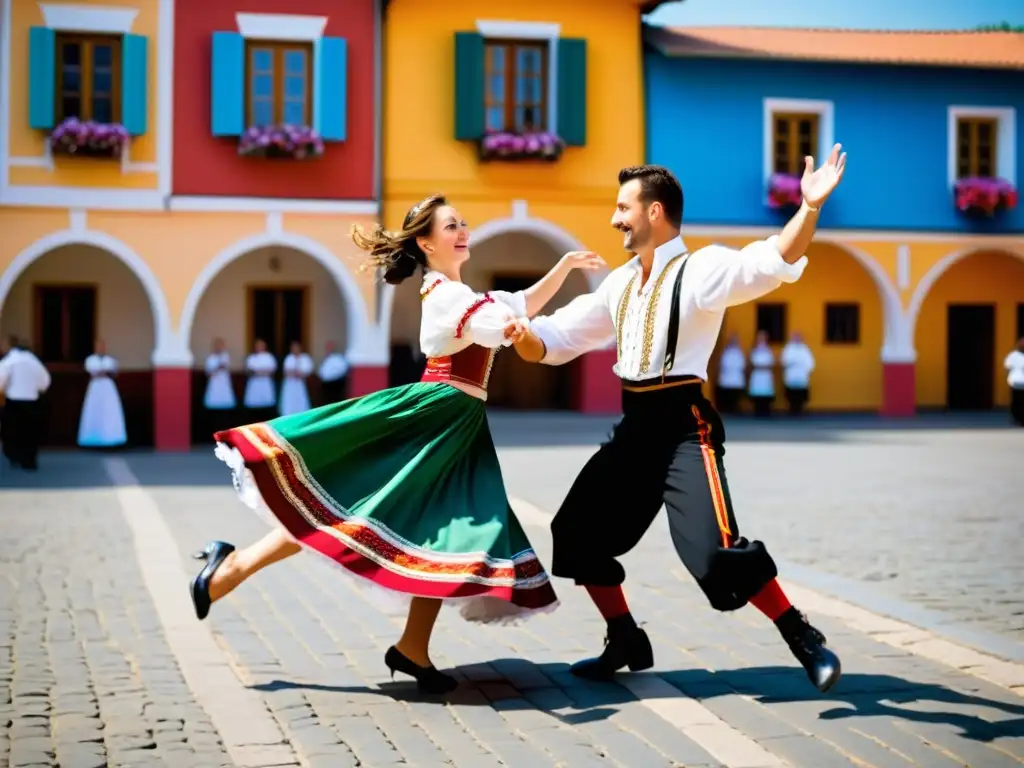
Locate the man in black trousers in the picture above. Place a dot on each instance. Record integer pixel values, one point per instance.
(23, 379)
(664, 309)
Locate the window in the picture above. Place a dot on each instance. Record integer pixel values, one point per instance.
(279, 317)
(65, 326)
(771, 318)
(516, 90)
(976, 147)
(89, 77)
(842, 323)
(279, 83)
(794, 137)
(1020, 321)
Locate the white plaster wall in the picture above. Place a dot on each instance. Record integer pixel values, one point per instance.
(123, 315)
(223, 309)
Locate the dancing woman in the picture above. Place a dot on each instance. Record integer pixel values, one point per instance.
(402, 487)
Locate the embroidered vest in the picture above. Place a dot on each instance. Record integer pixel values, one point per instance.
(470, 366)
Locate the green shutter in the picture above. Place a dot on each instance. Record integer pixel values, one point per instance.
(572, 91)
(42, 77)
(469, 86)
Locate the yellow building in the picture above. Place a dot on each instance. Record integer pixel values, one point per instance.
(457, 72)
(161, 244)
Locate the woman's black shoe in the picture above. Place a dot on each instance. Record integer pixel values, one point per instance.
(429, 679)
(214, 555)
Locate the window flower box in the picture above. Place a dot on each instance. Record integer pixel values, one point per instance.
(525, 146)
(784, 191)
(88, 138)
(294, 142)
(984, 196)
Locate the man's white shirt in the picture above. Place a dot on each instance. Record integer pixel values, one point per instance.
(637, 319)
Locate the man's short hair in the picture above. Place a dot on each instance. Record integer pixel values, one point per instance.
(657, 185)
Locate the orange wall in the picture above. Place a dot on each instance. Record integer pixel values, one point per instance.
(984, 278)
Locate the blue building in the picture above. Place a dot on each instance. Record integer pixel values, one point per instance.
(915, 293)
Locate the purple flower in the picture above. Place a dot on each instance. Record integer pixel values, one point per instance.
(89, 137)
(509, 145)
(784, 190)
(296, 141)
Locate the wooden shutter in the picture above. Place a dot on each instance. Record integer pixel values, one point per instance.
(227, 84)
(330, 108)
(469, 86)
(572, 91)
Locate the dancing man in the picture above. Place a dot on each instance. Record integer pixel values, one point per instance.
(664, 308)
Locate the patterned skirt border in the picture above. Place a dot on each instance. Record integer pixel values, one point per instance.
(271, 481)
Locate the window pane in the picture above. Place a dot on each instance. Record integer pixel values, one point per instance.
(295, 87)
(102, 56)
(263, 112)
(102, 110)
(295, 112)
(71, 106)
(771, 318)
(102, 81)
(496, 119)
(71, 80)
(263, 86)
(72, 54)
(295, 62)
(496, 89)
(495, 59)
(262, 60)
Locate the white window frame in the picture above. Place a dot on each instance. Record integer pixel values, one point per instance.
(1006, 139)
(825, 110)
(531, 30)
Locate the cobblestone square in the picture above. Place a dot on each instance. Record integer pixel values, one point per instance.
(900, 542)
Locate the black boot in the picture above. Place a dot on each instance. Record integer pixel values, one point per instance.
(626, 646)
(808, 646)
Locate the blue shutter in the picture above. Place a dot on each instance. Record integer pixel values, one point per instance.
(134, 82)
(227, 84)
(572, 91)
(42, 77)
(470, 103)
(330, 110)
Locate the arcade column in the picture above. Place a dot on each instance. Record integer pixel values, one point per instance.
(172, 408)
(597, 389)
(364, 379)
(899, 392)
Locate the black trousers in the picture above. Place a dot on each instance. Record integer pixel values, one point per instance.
(22, 422)
(797, 397)
(1017, 405)
(762, 405)
(667, 449)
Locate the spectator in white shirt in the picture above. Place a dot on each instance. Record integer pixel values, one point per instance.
(22, 379)
(1015, 365)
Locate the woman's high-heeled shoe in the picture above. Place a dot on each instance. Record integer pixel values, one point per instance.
(214, 554)
(429, 679)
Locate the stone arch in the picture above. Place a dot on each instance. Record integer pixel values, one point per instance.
(943, 265)
(896, 342)
(167, 349)
(360, 337)
(543, 230)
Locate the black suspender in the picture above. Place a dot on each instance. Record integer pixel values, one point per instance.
(673, 320)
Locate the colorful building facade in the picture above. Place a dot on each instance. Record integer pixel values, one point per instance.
(524, 124)
(187, 215)
(909, 302)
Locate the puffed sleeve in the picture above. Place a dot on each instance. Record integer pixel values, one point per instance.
(515, 301)
(93, 365)
(305, 365)
(453, 315)
(729, 277)
(212, 364)
(110, 364)
(581, 326)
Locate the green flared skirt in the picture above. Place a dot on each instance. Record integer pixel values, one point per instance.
(401, 487)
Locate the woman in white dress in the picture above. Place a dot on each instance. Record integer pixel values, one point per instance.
(298, 366)
(732, 376)
(219, 399)
(762, 376)
(102, 422)
(260, 395)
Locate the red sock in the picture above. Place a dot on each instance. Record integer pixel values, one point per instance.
(610, 601)
(771, 600)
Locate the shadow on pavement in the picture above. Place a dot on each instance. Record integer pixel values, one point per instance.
(551, 689)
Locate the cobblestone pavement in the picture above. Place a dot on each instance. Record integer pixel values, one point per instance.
(87, 676)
